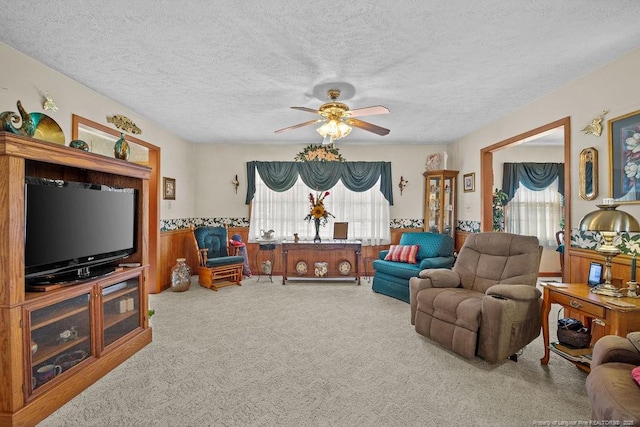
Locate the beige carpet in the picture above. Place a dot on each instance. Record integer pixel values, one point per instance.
(314, 354)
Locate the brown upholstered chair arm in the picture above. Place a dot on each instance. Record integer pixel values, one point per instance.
(514, 292)
(441, 277)
(612, 348)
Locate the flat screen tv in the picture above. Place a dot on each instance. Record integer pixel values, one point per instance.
(75, 231)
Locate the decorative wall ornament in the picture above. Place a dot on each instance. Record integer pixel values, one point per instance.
(595, 127)
(319, 153)
(49, 103)
(9, 120)
(235, 183)
(124, 123)
(402, 184)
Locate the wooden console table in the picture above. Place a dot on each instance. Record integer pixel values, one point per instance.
(336, 253)
(601, 314)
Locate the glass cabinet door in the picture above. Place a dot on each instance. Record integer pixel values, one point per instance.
(120, 310)
(440, 201)
(434, 204)
(448, 207)
(59, 338)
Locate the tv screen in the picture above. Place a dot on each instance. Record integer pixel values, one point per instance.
(72, 227)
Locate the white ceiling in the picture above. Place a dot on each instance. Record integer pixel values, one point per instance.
(228, 71)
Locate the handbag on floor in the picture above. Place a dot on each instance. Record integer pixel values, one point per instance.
(572, 332)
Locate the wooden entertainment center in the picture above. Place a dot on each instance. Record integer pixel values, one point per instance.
(55, 344)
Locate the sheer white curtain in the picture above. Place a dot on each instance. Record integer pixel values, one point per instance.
(535, 213)
(366, 212)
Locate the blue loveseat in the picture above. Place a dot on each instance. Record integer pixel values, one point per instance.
(392, 278)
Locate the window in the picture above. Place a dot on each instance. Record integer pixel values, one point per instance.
(366, 212)
(535, 213)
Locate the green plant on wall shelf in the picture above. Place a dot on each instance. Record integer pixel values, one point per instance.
(499, 197)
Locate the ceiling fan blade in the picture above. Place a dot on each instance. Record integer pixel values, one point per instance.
(310, 110)
(299, 125)
(369, 111)
(367, 126)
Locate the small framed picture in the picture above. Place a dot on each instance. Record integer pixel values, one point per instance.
(168, 188)
(469, 182)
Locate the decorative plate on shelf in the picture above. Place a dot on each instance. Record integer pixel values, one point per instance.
(344, 267)
(301, 268)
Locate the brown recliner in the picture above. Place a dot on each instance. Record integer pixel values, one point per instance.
(488, 304)
(612, 391)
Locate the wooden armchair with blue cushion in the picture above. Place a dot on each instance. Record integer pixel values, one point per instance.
(415, 252)
(216, 267)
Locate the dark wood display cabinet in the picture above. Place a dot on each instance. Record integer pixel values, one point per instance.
(54, 344)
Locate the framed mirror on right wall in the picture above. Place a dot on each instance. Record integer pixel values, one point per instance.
(588, 165)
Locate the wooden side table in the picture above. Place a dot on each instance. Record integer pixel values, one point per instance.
(608, 315)
(327, 250)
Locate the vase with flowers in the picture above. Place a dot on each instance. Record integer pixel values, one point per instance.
(318, 213)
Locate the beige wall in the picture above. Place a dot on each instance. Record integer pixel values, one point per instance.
(24, 79)
(199, 169)
(216, 166)
(612, 87)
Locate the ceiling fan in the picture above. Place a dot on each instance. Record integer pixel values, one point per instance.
(338, 119)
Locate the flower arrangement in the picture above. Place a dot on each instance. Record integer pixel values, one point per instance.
(319, 153)
(317, 211)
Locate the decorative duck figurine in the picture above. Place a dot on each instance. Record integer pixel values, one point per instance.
(9, 118)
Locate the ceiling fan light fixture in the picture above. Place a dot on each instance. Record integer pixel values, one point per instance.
(334, 128)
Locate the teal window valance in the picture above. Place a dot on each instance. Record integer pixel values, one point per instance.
(534, 176)
(321, 176)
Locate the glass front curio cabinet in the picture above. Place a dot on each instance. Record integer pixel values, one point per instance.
(440, 201)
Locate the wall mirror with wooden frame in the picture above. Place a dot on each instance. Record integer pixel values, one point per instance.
(101, 140)
(588, 174)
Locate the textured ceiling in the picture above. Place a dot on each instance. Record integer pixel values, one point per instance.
(228, 71)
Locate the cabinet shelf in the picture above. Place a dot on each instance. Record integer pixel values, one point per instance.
(115, 318)
(47, 351)
(118, 294)
(57, 315)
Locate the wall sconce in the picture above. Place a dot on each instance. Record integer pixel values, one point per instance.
(235, 183)
(402, 184)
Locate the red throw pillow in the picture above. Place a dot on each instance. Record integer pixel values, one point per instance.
(403, 253)
(635, 373)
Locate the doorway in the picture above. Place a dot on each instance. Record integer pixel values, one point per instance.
(487, 174)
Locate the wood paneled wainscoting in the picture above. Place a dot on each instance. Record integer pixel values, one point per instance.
(179, 244)
(579, 260)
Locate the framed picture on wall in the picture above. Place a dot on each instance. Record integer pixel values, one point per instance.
(168, 188)
(624, 155)
(469, 182)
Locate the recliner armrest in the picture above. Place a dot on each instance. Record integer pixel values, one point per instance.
(383, 254)
(612, 348)
(514, 292)
(441, 277)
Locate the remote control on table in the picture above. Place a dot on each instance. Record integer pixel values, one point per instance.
(130, 264)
